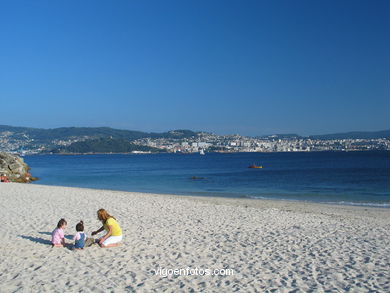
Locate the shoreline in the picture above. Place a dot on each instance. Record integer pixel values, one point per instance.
(341, 203)
(268, 245)
(283, 204)
(258, 203)
(212, 152)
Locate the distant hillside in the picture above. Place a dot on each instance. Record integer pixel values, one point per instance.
(282, 136)
(354, 135)
(41, 135)
(344, 135)
(103, 145)
(46, 135)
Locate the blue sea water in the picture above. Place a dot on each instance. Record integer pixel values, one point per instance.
(361, 178)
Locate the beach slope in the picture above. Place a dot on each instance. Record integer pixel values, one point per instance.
(244, 245)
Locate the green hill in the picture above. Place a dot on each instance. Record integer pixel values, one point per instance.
(41, 135)
(354, 135)
(104, 145)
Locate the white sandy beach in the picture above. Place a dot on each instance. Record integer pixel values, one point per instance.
(271, 246)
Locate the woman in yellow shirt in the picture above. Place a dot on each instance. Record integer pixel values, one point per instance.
(113, 236)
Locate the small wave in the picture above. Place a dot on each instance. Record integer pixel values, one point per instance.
(368, 204)
(273, 198)
(350, 203)
(256, 197)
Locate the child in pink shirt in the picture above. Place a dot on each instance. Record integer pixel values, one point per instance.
(57, 236)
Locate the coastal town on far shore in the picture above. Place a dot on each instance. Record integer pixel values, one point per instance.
(206, 142)
(236, 143)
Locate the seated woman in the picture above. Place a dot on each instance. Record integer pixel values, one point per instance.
(113, 235)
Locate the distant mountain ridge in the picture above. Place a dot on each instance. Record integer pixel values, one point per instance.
(342, 135)
(46, 135)
(354, 135)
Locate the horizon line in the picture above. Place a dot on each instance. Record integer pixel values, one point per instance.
(201, 131)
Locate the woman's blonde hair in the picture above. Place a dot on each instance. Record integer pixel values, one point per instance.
(103, 215)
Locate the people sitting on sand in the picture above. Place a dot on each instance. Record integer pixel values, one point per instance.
(57, 236)
(113, 235)
(80, 237)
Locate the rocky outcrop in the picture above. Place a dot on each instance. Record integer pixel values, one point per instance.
(14, 169)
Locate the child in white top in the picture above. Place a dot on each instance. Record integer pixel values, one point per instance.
(80, 237)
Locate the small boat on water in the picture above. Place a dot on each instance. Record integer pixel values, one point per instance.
(201, 152)
(197, 178)
(253, 166)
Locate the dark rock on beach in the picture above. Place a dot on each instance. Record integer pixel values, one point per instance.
(14, 169)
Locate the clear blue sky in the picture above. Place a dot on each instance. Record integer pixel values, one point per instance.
(248, 67)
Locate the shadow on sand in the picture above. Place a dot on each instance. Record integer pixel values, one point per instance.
(36, 239)
(46, 241)
(45, 233)
(69, 237)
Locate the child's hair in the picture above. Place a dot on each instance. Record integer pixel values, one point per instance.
(80, 226)
(103, 215)
(61, 223)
